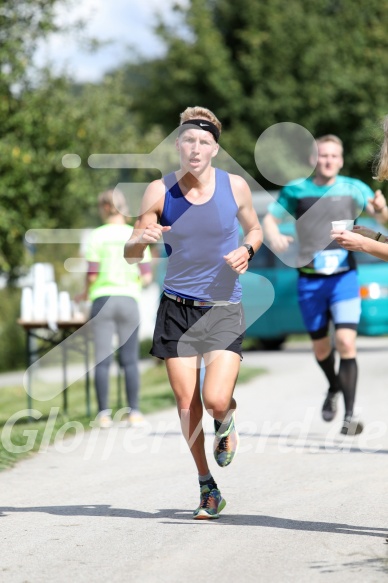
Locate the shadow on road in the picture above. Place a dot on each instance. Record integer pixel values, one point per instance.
(174, 513)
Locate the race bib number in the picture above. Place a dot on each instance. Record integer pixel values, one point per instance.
(331, 261)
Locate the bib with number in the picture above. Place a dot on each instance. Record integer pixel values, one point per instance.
(331, 261)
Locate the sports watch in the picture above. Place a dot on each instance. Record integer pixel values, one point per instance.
(250, 250)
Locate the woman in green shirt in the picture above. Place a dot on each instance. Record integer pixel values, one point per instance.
(114, 288)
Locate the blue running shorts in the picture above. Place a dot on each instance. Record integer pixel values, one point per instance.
(334, 297)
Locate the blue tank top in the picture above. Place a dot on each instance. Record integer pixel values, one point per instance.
(200, 236)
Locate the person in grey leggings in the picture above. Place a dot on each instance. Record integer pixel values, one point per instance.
(118, 314)
(114, 289)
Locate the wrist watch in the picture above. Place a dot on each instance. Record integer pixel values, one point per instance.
(250, 250)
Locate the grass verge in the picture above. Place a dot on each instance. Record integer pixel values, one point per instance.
(21, 437)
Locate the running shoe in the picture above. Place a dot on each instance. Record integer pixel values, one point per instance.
(104, 421)
(226, 443)
(210, 505)
(136, 419)
(351, 426)
(329, 407)
(132, 419)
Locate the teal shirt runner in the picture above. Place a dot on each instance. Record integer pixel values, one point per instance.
(314, 208)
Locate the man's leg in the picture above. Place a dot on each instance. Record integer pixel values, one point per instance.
(347, 374)
(346, 316)
(325, 356)
(184, 376)
(345, 340)
(222, 367)
(323, 350)
(314, 296)
(183, 373)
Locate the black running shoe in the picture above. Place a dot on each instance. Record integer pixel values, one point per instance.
(351, 426)
(329, 407)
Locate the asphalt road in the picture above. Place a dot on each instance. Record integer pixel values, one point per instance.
(304, 503)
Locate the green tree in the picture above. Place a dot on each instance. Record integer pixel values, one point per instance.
(43, 118)
(36, 190)
(323, 65)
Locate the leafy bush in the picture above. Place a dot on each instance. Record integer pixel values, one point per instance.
(145, 347)
(12, 336)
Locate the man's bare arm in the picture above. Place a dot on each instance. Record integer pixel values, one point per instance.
(147, 229)
(238, 258)
(278, 242)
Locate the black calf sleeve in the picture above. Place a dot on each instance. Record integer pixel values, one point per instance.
(348, 372)
(327, 366)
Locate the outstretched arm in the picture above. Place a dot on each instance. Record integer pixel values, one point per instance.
(363, 239)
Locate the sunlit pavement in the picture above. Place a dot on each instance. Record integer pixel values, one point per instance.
(304, 503)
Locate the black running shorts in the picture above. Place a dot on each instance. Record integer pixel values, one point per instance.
(182, 330)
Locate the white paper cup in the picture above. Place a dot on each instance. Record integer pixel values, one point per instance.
(26, 308)
(64, 310)
(343, 225)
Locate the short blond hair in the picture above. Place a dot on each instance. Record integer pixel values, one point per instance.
(330, 138)
(112, 202)
(381, 162)
(198, 112)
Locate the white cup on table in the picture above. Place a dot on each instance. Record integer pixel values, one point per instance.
(64, 306)
(26, 306)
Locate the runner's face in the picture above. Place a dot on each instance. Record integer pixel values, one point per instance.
(196, 148)
(330, 160)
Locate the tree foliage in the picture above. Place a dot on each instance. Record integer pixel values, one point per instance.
(322, 64)
(42, 118)
(36, 190)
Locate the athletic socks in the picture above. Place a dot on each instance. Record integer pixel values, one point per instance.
(347, 374)
(217, 424)
(221, 426)
(207, 480)
(328, 367)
